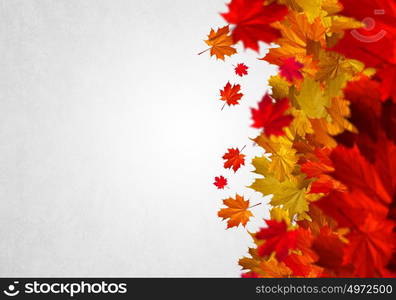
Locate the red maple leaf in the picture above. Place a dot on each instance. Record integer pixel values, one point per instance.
(241, 69)
(353, 170)
(371, 241)
(270, 116)
(290, 69)
(234, 159)
(252, 19)
(249, 275)
(375, 43)
(230, 94)
(220, 182)
(319, 166)
(277, 239)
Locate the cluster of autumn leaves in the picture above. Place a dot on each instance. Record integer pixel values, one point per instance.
(329, 125)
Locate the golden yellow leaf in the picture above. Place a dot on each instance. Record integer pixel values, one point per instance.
(301, 124)
(312, 8)
(312, 99)
(283, 157)
(290, 194)
(280, 87)
(331, 6)
(338, 112)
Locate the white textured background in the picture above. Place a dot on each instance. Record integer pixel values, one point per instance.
(110, 136)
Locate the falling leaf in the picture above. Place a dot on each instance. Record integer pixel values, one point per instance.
(220, 43)
(241, 69)
(237, 211)
(231, 94)
(234, 159)
(220, 182)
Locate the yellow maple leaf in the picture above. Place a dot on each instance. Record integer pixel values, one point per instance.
(220, 43)
(312, 8)
(331, 6)
(280, 87)
(338, 112)
(301, 124)
(279, 214)
(338, 24)
(290, 194)
(312, 99)
(283, 157)
(237, 211)
(332, 64)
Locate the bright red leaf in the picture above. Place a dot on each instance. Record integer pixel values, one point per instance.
(252, 21)
(271, 116)
(231, 94)
(277, 239)
(220, 182)
(241, 69)
(234, 159)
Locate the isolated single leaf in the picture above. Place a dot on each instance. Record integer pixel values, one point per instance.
(220, 182)
(252, 21)
(234, 159)
(271, 116)
(237, 211)
(220, 43)
(231, 94)
(241, 69)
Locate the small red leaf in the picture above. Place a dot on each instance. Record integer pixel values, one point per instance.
(241, 69)
(220, 182)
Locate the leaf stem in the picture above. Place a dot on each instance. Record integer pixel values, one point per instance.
(254, 205)
(223, 106)
(203, 51)
(242, 148)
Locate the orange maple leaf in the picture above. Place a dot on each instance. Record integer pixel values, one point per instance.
(234, 159)
(220, 43)
(237, 211)
(230, 94)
